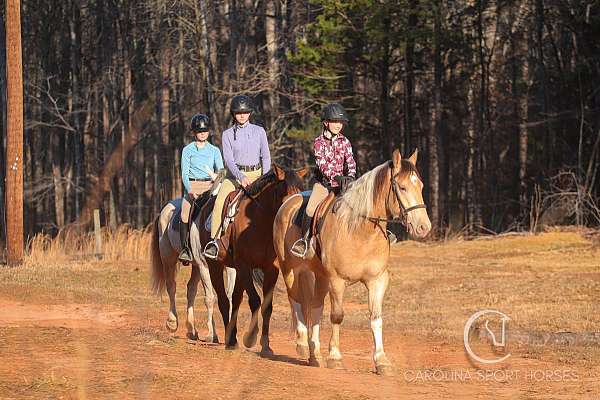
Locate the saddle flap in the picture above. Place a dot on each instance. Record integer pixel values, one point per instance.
(321, 212)
(230, 204)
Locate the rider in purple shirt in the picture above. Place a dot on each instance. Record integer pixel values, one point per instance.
(247, 157)
(245, 145)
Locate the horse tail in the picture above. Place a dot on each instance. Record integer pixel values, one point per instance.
(306, 282)
(159, 277)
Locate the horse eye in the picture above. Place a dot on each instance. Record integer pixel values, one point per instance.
(403, 188)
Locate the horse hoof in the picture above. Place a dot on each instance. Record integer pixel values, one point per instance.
(193, 336)
(171, 325)
(334, 364)
(266, 352)
(384, 369)
(250, 339)
(302, 351)
(315, 362)
(233, 346)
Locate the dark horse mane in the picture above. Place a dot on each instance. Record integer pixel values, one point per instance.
(291, 179)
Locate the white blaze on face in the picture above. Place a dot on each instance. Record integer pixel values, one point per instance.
(413, 178)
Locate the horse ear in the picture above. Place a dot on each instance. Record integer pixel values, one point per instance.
(397, 160)
(302, 172)
(413, 157)
(279, 173)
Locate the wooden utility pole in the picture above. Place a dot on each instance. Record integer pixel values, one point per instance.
(14, 134)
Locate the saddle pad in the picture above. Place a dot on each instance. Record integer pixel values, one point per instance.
(302, 209)
(202, 200)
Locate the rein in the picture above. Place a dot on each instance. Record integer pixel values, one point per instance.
(400, 219)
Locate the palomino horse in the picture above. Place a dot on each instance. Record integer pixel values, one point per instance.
(164, 249)
(249, 239)
(353, 248)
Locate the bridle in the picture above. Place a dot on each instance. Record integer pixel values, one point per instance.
(405, 210)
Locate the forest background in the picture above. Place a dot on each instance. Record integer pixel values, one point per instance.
(502, 99)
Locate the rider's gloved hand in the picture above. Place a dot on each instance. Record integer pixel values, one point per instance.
(343, 181)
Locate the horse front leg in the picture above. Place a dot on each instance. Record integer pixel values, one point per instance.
(172, 320)
(231, 329)
(377, 288)
(337, 286)
(314, 343)
(269, 282)
(254, 303)
(192, 290)
(230, 274)
(209, 302)
(224, 301)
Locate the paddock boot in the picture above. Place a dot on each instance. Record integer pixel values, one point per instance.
(186, 255)
(300, 246)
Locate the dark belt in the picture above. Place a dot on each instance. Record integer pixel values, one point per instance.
(248, 168)
(200, 180)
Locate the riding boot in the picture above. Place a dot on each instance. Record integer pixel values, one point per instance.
(185, 256)
(300, 247)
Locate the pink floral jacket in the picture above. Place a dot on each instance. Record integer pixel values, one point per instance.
(331, 155)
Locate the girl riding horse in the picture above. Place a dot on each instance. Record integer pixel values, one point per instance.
(333, 155)
(199, 161)
(247, 157)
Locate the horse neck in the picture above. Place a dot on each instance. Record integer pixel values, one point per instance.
(266, 199)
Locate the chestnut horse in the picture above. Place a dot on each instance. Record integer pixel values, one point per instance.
(249, 238)
(353, 248)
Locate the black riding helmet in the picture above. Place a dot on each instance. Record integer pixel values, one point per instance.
(200, 123)
(334, 112)
(241, 104)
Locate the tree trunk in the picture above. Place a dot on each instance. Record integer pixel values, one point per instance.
(271, 37)
(4, 130)
(434, 176)
(384, 95)
(409, 80)
(14, 131)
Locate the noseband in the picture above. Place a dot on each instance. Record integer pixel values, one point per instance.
(401, 219)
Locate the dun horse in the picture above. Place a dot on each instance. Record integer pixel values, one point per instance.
(353, 248)
(164, 248)
(250, 241)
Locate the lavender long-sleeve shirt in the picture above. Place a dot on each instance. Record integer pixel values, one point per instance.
(247, 147)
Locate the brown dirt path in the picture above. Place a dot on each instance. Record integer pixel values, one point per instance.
(92, 351)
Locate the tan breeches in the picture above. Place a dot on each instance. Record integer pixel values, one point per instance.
(227, 187)
(319, 192)
(198, 187)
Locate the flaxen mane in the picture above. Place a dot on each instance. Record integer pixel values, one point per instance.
(359, 199)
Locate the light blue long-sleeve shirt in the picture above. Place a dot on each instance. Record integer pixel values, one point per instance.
(245, 145)
(194, 160)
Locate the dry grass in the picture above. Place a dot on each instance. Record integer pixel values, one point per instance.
(544, 283)
(125, 243)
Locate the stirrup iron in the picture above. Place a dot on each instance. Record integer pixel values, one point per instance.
(204, 251)
(298, 254)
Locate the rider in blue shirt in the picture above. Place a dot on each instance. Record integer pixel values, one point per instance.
(200, 161)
